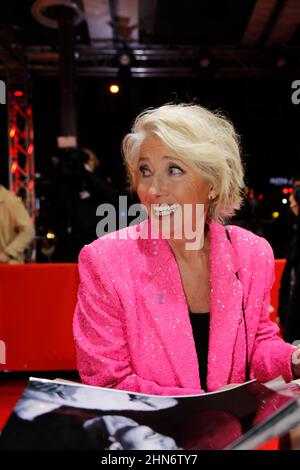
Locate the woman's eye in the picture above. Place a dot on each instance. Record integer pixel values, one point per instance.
(144, 170)
(175, 170)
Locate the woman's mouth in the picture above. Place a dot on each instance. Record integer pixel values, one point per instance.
(164, 209)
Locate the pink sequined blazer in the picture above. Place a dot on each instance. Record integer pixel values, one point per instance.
(132, 327)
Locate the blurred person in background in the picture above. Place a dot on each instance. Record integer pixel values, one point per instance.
(289, 294)
(16, 228)
(78, 188)
(93, 190)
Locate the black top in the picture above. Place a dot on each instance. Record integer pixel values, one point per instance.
(200, 326)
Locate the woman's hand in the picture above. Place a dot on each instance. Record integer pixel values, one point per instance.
(4, 259)
(296, 363)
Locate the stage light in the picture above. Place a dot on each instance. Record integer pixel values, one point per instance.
(251, 196)
(281, 62)
(284, 201)
(14, 168)
(260, 197)
(18, 93)
(30, 149)
(50, 236)
(204, 62)
(12, 132)
(275, 215)
(281, 59)
(125, 58)
(285, 190)
(114, 88)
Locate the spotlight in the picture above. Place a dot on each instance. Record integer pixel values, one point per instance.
(204, 60)
(275, 215)
(281, 62)
(12, 132)
(14, 168)
(284, 201)
(125, 58)
(114, 88)
(30, 149)
(18, 93)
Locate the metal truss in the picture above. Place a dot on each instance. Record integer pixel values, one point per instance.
(161, 61)
(21, 145)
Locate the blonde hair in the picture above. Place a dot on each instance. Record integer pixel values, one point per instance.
(203, 139)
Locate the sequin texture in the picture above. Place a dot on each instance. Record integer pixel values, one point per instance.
(132, 327)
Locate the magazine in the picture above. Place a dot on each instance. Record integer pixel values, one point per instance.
(58, 414)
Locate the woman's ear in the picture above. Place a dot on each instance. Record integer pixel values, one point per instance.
(212, 194)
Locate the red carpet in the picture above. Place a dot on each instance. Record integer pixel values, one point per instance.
(10, 392)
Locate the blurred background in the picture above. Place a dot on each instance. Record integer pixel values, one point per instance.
(85, 68)
(73, 76)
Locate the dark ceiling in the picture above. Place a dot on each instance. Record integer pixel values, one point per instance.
(165, 36)
(198, 22)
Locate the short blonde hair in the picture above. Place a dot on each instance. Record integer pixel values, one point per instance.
(203, 139)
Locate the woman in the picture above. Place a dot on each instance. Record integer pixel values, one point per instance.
(157, 315)
(123, 433)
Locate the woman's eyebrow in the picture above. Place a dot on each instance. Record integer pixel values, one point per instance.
(165, 157)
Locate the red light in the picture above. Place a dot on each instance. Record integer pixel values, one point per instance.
(291, 190)
(285, 190)
(251, 196)
(14, 168)
(30, 149)
(260, 197)
(12, 132)
(31, 184)
(18, 93)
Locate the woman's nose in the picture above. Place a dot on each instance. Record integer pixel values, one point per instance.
(156, 186)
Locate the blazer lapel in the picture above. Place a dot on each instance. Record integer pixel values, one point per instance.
(226, 307)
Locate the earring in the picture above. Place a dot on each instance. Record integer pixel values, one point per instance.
(212, 195)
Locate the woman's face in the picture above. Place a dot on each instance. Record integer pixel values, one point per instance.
(144, 438)
(165, 183)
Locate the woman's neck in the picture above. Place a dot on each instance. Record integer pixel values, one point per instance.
(190, 256)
